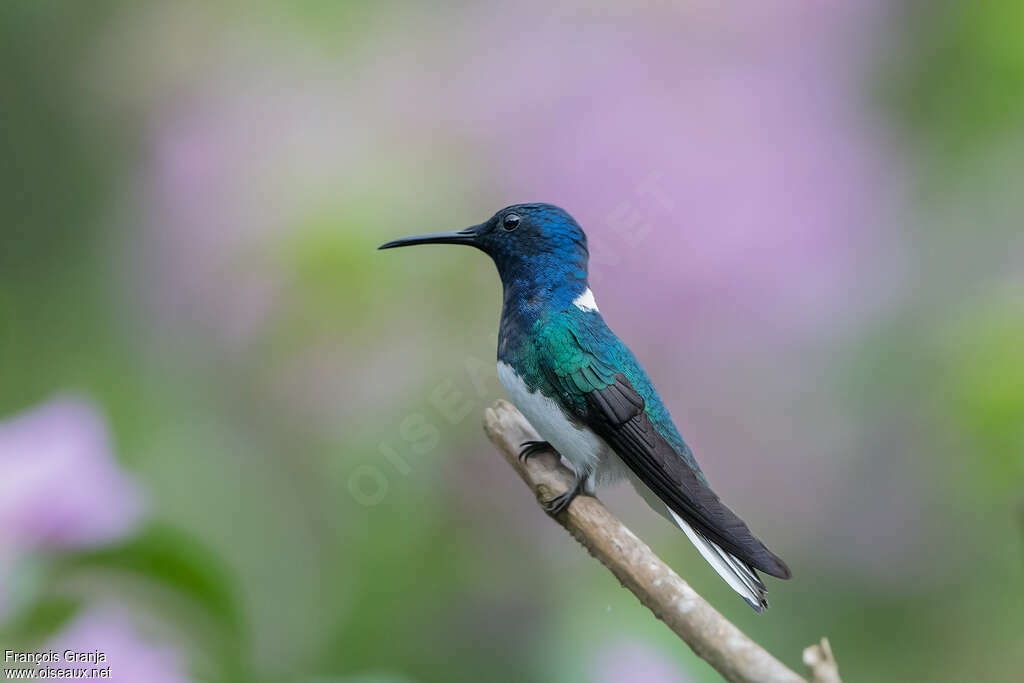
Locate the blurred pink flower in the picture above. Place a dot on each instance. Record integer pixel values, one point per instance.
(115, 633)
(627, 661)
(61, 486)
(725, 157)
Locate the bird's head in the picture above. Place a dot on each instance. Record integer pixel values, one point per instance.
(526, 242)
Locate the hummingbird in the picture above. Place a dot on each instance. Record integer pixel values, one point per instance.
(587, 396)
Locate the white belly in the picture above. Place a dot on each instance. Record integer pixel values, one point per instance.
(582, 450)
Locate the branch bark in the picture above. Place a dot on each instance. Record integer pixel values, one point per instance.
(710, 635)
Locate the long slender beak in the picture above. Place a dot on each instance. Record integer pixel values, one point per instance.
(467, 236)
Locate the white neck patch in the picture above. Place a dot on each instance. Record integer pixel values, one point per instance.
(585, 301)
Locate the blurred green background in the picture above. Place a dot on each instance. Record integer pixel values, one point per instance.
(241, 445)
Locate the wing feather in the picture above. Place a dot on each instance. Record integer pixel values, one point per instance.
(605, 400)
(616, 412)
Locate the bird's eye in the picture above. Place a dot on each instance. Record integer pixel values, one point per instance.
(511, 222)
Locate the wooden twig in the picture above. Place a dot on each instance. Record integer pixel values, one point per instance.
(821, 663)
(710, 635)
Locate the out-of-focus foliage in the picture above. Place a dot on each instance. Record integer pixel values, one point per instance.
(960, 81)
(986, 393)
(284, 477)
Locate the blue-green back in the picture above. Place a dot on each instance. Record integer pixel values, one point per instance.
(568, 353)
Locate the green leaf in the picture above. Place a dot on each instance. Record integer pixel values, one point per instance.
(177, 560)
(39, 621)
(186, 568)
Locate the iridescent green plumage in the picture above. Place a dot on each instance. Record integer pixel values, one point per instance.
(570, 353)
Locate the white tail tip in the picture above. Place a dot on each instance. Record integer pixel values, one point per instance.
(737, 573)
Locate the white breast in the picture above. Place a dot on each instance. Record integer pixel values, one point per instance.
(581, 448)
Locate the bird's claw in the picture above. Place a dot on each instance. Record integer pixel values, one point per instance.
(530, 448)
(556, 505)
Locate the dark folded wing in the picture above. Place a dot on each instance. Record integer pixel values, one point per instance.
(602, 397)
(616, 412)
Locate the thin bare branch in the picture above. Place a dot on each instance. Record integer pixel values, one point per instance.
(634, 564)
(822, 664)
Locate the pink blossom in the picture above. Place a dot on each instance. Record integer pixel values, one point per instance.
(116, 635)
(61, 488)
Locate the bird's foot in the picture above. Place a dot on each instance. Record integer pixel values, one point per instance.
(530, 448)
(556, 505)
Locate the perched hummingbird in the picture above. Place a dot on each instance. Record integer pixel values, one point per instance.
(588, 397)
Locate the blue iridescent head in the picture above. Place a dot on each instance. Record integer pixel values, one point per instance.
(534, 246)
